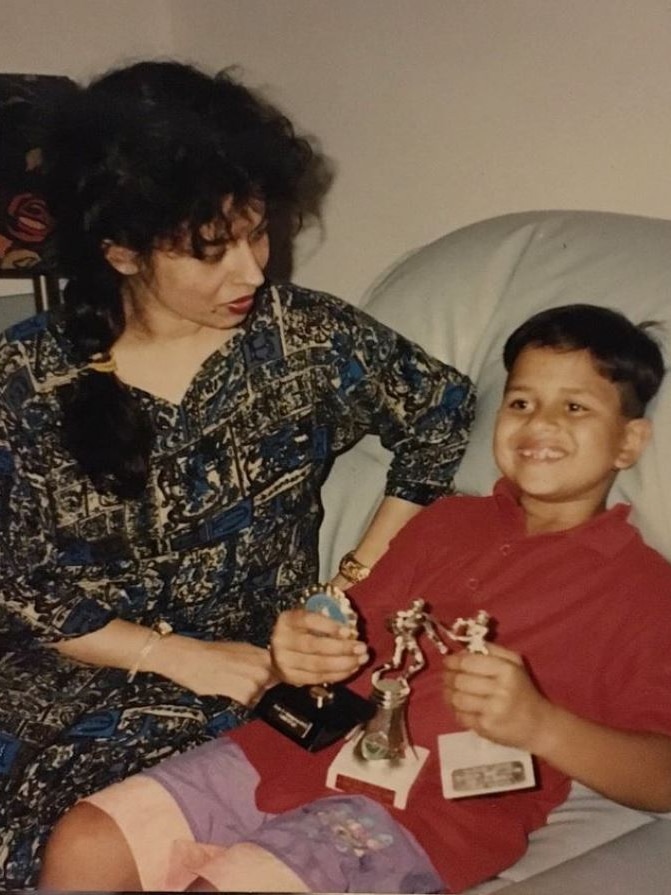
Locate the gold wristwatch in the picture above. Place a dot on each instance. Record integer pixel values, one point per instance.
(351, 569)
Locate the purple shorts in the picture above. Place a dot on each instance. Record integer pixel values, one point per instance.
(341, 843)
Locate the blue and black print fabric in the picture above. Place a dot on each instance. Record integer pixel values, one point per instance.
(223, 539)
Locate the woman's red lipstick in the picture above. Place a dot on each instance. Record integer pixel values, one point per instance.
(241, 305)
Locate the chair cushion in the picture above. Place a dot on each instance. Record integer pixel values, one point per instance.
(462, 295)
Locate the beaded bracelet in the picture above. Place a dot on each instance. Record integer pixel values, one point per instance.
(159, 631)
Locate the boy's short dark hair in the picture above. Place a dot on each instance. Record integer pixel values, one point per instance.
(623, 352)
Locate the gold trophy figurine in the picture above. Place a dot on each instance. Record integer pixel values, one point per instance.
(385, 736)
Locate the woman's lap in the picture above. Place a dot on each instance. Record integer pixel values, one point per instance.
(104, 735)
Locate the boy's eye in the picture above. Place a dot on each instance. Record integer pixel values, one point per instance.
(518, 404)
(574, 407)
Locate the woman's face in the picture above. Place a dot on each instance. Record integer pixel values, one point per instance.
(216, 291)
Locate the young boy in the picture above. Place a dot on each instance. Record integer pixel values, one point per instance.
(579, 674)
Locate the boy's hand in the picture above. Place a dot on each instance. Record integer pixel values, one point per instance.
(494, 696)
(309, 648)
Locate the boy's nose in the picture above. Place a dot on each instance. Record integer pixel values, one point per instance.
(544, 417)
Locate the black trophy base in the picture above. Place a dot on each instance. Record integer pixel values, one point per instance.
(295, 712)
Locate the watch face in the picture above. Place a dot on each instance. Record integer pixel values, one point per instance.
(354, 570)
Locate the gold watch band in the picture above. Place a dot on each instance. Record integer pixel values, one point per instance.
(353, 570)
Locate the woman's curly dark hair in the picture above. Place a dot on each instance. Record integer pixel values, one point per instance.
(142, 157)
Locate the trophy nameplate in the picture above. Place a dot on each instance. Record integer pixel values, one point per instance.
(318, 715)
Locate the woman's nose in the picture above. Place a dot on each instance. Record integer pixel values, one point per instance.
(244, 264)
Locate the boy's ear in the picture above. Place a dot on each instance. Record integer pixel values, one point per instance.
(122, 259)
(636, 437)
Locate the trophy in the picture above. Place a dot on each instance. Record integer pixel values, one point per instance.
(316, 716)
(379, 757)
(385, 736)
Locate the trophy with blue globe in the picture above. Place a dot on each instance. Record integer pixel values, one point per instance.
(316, 716)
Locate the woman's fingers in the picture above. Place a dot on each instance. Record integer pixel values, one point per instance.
(310, 648)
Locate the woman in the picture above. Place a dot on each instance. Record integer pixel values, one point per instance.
(164, 439)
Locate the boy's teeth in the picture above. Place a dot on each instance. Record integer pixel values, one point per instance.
(541, 454)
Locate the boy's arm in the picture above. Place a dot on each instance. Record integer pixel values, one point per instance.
(494, 696)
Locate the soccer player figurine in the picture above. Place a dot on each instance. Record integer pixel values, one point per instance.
(385, 736)
(472, 632)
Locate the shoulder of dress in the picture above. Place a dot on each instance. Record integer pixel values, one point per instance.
(299, 298)
(33, 352)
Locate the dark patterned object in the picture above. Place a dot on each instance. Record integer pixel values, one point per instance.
(26, 228)
(224, 538)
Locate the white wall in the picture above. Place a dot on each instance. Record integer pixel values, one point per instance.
(441, 112)
(437, 112)
(81, 37)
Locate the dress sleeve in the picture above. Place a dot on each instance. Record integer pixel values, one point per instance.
(39, 599)
(421, 408)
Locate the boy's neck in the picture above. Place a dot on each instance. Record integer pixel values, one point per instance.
(544, 516)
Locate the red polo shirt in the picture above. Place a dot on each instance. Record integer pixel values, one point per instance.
(588, 608)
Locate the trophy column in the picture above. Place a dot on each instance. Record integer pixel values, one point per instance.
(386, 734)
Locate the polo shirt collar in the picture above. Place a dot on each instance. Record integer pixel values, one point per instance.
(606, 533)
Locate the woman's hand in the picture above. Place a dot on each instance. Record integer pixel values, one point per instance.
(494, 696)
(309, 648)
(220, 668)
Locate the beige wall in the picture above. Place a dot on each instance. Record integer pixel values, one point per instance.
(81, 37)
(441, 112)
(437, 112)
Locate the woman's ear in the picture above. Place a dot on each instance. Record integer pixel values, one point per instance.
(122, 259)
(636, 437)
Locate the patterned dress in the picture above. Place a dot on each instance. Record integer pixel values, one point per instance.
(222, 540)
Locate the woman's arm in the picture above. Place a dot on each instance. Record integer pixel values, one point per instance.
(219, 668)
(422, 410)
(50, 602)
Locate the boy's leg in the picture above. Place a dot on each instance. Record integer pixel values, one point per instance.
(336, 844)
(247, 868)
(87, 849)
(162, 815)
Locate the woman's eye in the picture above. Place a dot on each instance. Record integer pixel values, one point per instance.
(575, 407)
(518, 404)
(213, 257)
(259, 234)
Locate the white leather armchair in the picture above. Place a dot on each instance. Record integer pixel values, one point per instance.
(460, 297)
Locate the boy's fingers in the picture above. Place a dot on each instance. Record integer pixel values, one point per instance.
(488, 664)
(494, 649)
(316, 645)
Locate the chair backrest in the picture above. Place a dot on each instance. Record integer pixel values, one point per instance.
(462, 295)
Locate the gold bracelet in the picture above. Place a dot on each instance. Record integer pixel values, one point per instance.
(159, 631)
(353, 570)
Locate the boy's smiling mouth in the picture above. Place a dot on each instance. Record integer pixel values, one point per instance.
(541, 453)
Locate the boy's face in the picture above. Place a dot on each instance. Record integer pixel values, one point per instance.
(561, 435)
